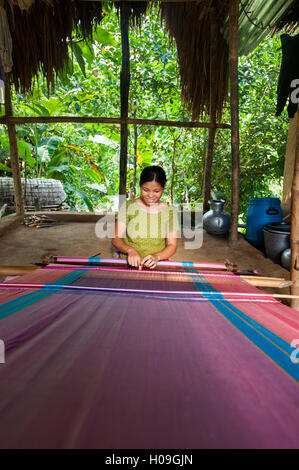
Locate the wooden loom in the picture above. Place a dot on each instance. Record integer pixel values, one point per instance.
(121, 358)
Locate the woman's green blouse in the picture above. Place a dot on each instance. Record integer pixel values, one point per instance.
(147, 232)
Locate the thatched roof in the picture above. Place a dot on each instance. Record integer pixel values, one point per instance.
(41, 30)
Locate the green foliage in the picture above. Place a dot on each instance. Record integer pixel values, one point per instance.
(86, 157)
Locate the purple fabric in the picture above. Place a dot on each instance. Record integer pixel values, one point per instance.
(104, 371)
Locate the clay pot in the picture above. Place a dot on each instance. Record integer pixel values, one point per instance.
(216, 221)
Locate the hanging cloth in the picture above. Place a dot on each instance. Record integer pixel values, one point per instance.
(5, 42)
(23, 4)
(289, 71)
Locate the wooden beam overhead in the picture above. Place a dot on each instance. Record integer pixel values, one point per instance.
(105, 120)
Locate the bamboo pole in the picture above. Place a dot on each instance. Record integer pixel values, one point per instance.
(294, 238)
(111, 121)
(212, 130)
(14, 156)
(234, 105)
(124, 97)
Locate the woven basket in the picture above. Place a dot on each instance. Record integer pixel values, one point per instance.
(39, 193)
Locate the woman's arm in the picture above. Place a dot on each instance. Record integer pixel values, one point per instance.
(151, 261)
(134, 258)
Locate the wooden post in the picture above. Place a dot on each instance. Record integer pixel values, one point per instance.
(212, 130)
(294, 238)
(14, 156)
(289, 163)
(124, 96)
(234, 109)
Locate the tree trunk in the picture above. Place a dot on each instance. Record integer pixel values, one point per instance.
(289, 164)
(234, 105)
(14, 156)
(124, 97)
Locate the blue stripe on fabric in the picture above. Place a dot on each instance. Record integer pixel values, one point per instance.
(219, 296)
(271, 344)
(187, 264)
(94, 260)
(12, 306)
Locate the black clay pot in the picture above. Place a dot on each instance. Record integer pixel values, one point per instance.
(286, 259)
(216, 221)
(277, 239)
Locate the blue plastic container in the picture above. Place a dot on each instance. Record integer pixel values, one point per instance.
(261, 211)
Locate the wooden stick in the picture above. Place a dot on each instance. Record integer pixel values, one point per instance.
(105, 120)
(234, 109)
(2, 210)
(264, 283)
(14, 156)
(7, 270)
(266, 278)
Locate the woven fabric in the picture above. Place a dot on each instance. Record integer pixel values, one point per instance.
(111, 370)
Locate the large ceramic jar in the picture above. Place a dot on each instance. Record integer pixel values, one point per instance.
(216, 221)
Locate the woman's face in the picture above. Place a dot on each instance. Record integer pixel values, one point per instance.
(151, 192)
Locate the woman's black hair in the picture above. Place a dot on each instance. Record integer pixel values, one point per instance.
(153, 173)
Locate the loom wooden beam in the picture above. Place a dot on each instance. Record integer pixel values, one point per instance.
(234, 109)
(268, 283)
(14, 156)
(294, 238)
(104, 120)
(124, 97)
(213, 99)
(16, 270)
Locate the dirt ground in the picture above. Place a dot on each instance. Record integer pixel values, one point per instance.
(21, 245)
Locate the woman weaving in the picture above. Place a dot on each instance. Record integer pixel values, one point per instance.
(146, 229)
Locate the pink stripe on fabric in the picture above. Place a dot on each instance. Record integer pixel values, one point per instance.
(63, 259)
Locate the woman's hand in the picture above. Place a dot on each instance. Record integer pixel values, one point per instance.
(134, 258)
(150, 261)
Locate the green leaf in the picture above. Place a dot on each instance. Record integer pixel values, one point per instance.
(24, 151)
(56, 159)
(51, 143)
(98, 187)
(5, 168)
(93, 175)
(43, 153)
(39, 109)
(79, 57)
(102, 139)
(60, 168)
(104, 38)
(85, 199)
(87, 51)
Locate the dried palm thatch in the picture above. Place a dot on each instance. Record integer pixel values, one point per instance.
(85, 16)
(134, 11)
(190, 25)
(41, 35)
(289, 22)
